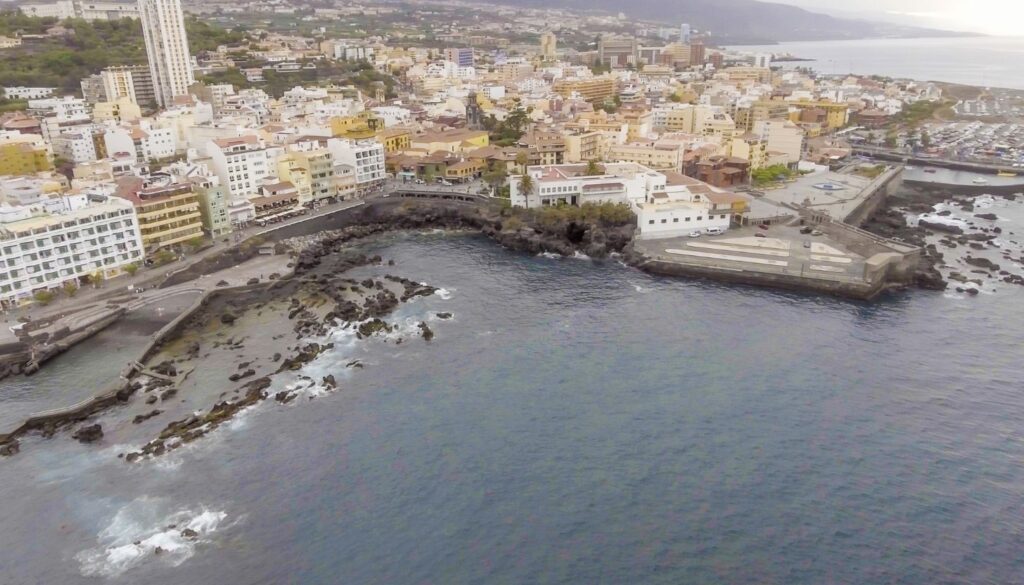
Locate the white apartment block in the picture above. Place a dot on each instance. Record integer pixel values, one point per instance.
(142, 143)
(242, 164)
(366, 156)
(782, 137)
(64, 108)
(163, 27)
(91, 10)
(75, 146)
(28, 93)
(568, 184)
(44, 251)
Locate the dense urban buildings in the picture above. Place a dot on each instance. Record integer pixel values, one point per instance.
(170, 61)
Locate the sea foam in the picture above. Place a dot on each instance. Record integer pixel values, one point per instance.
(138, 533)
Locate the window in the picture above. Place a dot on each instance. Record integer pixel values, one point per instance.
(700, 217)
(664, 221)
(687, 219)
(675, 220)
(651, 222)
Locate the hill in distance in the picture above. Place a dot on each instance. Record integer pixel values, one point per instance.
(744, 21)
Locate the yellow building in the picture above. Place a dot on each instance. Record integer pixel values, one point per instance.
(751, 148)
(837, 115)
(361, 126)
(583, 146)
(167, 214)
(660, 157)
(454, 141)
(760, 111)
(594, 89)
(120, 110)
(548, 44)
(465, 170)
(395, 139)
(311, 172)
(19, 156)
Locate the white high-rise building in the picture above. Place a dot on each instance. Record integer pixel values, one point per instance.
(170, 62)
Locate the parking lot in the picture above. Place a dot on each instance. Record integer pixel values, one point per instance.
(778, 249)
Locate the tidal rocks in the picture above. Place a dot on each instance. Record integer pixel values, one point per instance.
(180, 432)
(984, 263)
(427, 333)
(144, 417)
(240, 375)
(168, 394)
(443, 315)
(330, 382)
(189, 534)
(372, 327)
(88, 434)
(10, 448)
(988, 216)
(940, 227)
(227, 317)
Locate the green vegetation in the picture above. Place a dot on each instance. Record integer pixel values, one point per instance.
(163, 256)
(509, 130)
(87, 48)
(131, 269)
(871, 172)
(593, 169)
(601, 213)
(43, 297)
(7, 105)
(70, 288)
(495, 177)
(917, 113)
(772, 174)
(526, 187)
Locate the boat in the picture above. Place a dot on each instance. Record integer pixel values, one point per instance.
(1007, 174)
(980, 181)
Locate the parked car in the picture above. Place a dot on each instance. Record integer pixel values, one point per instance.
(807, 244)
(762, 226)
(695, 234)
(806, 229)
(760, 235)
(816, 232)
(714, 231)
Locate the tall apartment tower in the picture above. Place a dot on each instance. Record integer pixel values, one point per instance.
(170, 63)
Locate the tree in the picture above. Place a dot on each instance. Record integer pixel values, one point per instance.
(526, 187)
(43, 297)
(70, 288)
(926, 140)
(131, 269)
(593, 168)
(496, 176)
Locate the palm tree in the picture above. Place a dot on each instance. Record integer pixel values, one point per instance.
(593, 168)
(526, 187)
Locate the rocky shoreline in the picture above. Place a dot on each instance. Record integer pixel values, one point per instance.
(939, 234)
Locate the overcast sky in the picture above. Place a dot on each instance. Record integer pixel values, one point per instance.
(1004, 17)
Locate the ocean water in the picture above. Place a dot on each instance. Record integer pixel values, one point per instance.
(978, 61)
(578, 422)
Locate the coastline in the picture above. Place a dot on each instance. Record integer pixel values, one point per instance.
(312, 245)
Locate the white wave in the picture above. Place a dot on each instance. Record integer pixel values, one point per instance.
(580, 255)
(638, 288)
(938, 219)
(984, 202)
(444, 293)
(549, 255)
(137, 534)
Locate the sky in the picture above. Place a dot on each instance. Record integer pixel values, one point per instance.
(995, 17)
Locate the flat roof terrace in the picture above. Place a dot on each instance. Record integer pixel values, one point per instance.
(836, 194)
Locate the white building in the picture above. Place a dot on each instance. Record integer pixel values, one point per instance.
(143, 143)
(366, 156)
(781, 137)
(91, 10)
(64, 108)
(170, 62)
(686, 206)
(27, 93)
(76, 146)
(242, 164)
(569, 184)
(41, 251)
